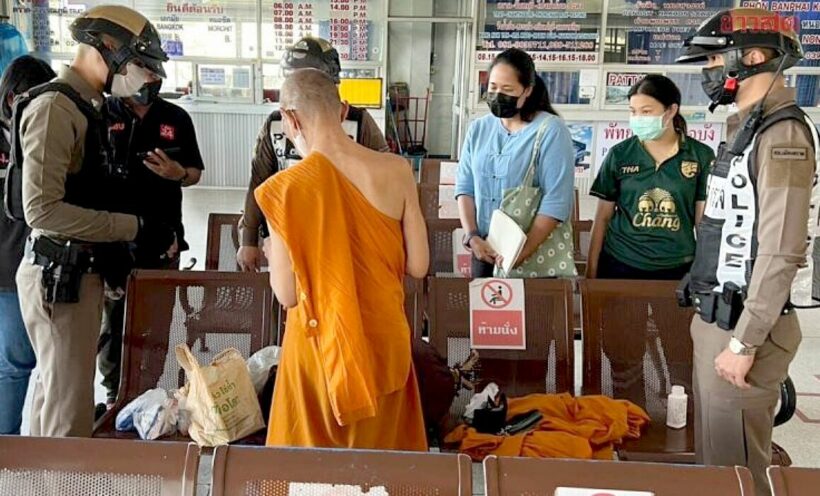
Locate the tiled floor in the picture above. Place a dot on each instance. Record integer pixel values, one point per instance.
(800, 436)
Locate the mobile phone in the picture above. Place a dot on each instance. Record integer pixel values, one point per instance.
(168, 151)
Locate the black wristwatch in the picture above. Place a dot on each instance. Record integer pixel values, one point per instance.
(469, 237)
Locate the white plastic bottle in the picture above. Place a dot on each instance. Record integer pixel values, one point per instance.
(676, 408)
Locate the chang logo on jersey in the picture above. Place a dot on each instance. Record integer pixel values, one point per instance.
(657, 210)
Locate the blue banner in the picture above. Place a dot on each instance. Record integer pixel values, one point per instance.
(541, 27)
(658, 28)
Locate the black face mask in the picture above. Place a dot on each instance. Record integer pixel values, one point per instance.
(502, 105)
(715, 86)
(149, 93)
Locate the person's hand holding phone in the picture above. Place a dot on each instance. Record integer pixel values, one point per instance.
(164, 166)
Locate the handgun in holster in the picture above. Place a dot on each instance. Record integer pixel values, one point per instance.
(684, 292)
(62, 269)
(729, 306)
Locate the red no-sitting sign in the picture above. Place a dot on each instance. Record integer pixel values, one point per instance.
(497, 318)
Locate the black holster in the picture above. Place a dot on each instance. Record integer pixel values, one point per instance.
(724, 308)
(63, 267)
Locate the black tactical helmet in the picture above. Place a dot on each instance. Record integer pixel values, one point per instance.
(135, 35)
(312, 53)
(730, 32)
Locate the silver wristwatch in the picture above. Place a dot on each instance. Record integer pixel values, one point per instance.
(737, 347)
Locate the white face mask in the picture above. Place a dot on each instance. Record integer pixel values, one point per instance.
(127, 85)
(299, 141)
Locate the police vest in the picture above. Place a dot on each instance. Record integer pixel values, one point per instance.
(89, 188)
(727, 235)
(286, 154)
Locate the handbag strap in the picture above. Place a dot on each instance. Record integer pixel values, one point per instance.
(536, 150)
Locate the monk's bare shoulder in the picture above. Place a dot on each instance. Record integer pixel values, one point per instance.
(398, 168)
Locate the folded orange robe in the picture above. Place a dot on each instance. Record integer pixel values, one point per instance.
(585, 427)
(345, 378)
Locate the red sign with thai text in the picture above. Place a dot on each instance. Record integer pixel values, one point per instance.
(497, 318)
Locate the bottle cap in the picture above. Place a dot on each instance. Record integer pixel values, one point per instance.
(678, 390)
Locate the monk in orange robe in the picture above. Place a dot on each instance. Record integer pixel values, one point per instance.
(346, 226)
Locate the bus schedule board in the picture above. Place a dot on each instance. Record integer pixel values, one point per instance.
(562, 31)
(656, 29)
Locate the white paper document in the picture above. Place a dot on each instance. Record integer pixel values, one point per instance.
(576, 491)
(447, 203)
(311, 489)
(447, 173)
(506, 238)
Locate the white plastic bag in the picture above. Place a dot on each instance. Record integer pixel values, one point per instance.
(184, 417)
(153, 414)
(259, 365)
(480, 400)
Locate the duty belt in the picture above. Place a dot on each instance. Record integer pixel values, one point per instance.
(63, 263)
(725, 308)
(46, 252)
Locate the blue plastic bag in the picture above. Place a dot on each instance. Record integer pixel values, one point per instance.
(153, 414)
(12, 45)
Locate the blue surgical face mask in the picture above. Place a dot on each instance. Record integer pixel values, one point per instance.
(647, 127)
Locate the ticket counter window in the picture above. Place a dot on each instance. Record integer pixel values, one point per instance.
(229, 82)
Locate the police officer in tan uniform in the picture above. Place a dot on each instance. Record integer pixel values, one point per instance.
(274, 152)
(751, 266)
(68, 196)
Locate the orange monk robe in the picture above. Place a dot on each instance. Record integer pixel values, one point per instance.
(345, 378)
(586, 427)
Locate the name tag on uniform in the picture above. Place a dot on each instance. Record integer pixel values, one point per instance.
(782, 153)
(630, 169)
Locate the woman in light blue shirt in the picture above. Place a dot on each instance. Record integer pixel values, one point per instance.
(497, 153)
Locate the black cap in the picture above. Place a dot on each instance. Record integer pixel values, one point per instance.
(312, 53)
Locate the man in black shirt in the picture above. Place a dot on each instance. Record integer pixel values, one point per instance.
(155, 154)
(16, 354)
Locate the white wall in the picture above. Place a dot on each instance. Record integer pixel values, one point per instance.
(440, 132)
(422, 54)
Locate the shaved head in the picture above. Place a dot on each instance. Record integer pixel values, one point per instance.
(310, 92)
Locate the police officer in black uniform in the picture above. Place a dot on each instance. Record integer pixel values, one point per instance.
(154, 146)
